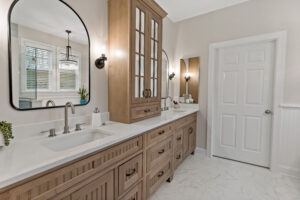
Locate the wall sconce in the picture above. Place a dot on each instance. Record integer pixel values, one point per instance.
(171, 76)
(187, 77)
(100, 62)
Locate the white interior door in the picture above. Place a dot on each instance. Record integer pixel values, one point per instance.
(244, 103)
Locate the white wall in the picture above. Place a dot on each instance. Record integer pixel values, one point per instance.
(251, 18)
(94, 14)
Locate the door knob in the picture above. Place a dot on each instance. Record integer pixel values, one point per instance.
(268, 112)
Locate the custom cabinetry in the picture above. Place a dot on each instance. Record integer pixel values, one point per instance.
(133, 169)
(135, 45)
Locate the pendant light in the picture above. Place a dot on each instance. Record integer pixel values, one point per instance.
(68, 61)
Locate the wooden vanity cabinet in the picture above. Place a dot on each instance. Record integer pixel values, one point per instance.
(132, 169)
(135, 59)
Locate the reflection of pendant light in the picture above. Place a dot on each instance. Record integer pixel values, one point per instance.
(68, 59)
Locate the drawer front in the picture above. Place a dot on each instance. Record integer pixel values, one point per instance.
(64, 178)
(130, 173)
(159, 153)
(135, 194)
(178, 157)
(158, 177)
(159, 134)
(186, 120)
(145, 111)
(178, 140)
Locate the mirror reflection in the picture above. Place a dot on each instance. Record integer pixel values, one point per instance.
(189, 80)
(49, 48)
(165, 75)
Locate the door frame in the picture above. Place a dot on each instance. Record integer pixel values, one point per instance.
(280, 40)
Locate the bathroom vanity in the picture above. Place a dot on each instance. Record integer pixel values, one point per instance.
(130, 162)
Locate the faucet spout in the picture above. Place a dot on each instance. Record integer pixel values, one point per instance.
(68, 104)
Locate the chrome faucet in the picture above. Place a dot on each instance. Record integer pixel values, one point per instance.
(67, 128)
(50, 102)
(165, 103)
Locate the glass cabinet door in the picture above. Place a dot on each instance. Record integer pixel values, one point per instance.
(139, 69)
(155, 58)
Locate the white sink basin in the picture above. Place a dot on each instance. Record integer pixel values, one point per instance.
(69, 141)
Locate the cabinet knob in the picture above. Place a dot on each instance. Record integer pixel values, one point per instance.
(160, 174)
(162, 151)
(133, 171)
(179, 138)
(161, 132)
(178, 157)
(191, 130)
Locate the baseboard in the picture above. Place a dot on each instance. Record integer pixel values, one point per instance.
(293, 172)
(201, 150)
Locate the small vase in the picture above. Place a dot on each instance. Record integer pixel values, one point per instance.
(82, 101)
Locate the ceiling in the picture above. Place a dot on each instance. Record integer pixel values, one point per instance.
(183, 9)
(52, 17)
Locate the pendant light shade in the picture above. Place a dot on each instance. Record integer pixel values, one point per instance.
(67, 60)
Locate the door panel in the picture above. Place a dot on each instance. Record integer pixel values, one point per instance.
(139, 76)
(155, 57)
(244, 92)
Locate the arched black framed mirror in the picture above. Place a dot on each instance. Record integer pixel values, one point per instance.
(49, 55)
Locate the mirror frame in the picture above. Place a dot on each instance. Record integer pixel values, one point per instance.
(168, 73)
(10, 60)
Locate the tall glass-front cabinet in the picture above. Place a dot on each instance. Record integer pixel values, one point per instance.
(135, 46)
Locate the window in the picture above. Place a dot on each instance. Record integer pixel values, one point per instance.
(68, 74)
(42, 70)
(38, 68)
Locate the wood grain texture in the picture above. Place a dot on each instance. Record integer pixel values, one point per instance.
(194, 67)
(134, 168)
(182, 79)
(122, 59)
(130, 173)
(119, 23)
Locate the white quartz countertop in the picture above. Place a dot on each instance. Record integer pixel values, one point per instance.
(29, 157)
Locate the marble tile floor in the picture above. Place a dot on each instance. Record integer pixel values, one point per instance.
(203, 178)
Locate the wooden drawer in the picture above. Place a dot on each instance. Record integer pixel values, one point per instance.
(178, 140)
(61, 179)
(138, 113)
(100, 188)
(135, 194)
(157, 177)
(159, 153)
(157, 135)
(186, 120)
(178, 158)
(130, 173)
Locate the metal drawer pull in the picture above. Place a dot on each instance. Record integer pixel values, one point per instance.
(161, 132)
(131, 173)
(178, 157)
(147, 110)
(191, 130)
(178, 139)
(162, 151)
(160, 174)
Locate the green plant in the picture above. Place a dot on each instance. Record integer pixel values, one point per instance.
(83, 93)
(6, 130)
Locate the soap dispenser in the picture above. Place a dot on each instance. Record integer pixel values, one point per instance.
(96, 118)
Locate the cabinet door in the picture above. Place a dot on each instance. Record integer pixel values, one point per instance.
(99, 189)
(139, 35)
(186, 142)
(192, 137)
(155, 62)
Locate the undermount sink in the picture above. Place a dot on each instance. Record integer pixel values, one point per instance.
(65, 142)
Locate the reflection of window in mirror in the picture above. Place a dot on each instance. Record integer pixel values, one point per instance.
(41, 64)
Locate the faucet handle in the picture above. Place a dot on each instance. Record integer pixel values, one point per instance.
(51, 132)
(78, 126)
